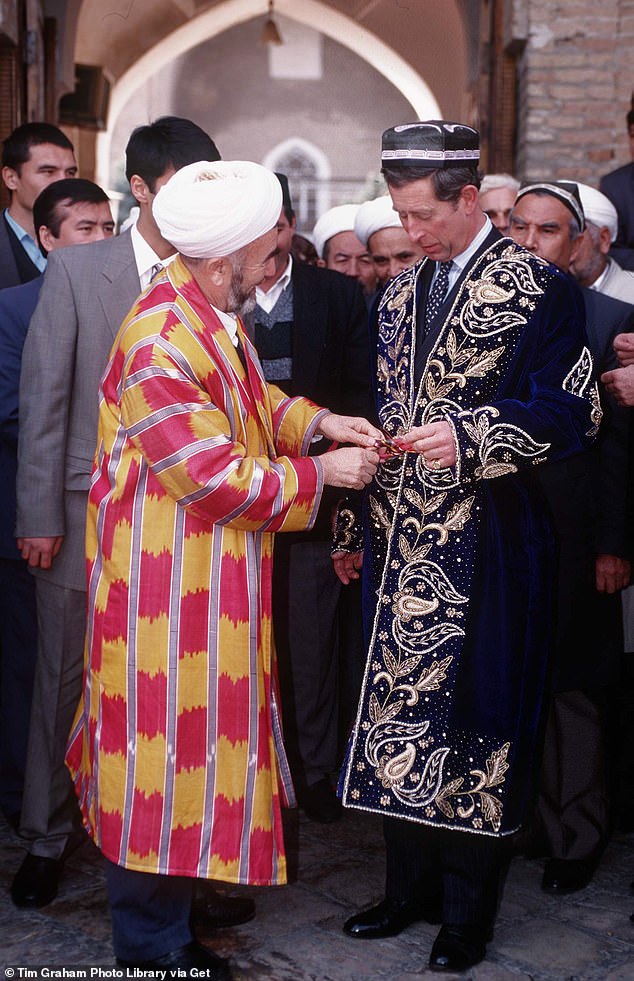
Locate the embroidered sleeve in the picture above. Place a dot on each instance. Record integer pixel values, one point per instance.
(348, 532)
(505, 437)
(556, 412)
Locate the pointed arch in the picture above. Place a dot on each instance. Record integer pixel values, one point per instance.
(223, 16)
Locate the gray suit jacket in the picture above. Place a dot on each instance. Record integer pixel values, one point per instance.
(618, 282)
(87, 292)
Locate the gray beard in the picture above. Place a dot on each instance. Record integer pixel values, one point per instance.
(238, 301)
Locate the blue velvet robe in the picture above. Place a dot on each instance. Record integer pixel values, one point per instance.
(458, 562)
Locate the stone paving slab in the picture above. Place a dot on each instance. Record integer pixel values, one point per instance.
(335, 871)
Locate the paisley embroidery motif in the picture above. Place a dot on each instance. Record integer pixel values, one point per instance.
(407, 756)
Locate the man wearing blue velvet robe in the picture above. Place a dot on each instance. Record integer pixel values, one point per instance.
(482, 374)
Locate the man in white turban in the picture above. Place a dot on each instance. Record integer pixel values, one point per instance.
(339, 248)
(379, 228)
(176, 750)
(592, 266)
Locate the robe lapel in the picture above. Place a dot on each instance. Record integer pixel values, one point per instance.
(430, 338)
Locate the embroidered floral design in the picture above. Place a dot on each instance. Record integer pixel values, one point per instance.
(490, 806)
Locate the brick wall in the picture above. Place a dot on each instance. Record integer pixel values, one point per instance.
(575, 78)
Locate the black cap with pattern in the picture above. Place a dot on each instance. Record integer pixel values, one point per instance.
(434, 144)
(565, 191)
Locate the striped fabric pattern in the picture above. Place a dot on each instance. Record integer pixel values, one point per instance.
(176, 748)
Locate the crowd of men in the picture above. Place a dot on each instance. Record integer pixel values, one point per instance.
(272, 502)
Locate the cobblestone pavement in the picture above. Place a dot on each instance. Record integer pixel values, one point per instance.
(336, 870)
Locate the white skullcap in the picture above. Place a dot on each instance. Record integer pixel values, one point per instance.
(598, 209)
(372, 216)
(211, 209)
(339, 219)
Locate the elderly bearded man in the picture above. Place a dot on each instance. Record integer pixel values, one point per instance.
(176, 749)
(481, 373)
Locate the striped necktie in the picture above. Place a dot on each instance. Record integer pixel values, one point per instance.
(438, 291)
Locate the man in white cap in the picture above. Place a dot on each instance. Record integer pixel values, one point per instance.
(339, 248)
(588, 500)
(379, 228)
(176, 750)
(592, 266)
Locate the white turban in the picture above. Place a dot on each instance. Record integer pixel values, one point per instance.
(208, 210)
(598, 209)
(339, 219)
(372, 216)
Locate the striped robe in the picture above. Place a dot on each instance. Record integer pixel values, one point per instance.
(175, 750)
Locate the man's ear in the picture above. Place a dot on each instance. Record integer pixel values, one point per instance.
(10, 177)
(469, 195)
(605, 240)
(219, 271)
(140, 191)
(575, 246)
(46, 237)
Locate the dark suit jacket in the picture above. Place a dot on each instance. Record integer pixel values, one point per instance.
(16, 309)
(618, 186)
(15, 265)
(589, 498)
(86, 294)
(330, 354)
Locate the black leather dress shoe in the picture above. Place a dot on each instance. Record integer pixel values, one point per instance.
(192, 955)
(562, 876)
(388, 919)
(219, 910)
(319, 802)
(36, 881)
(458, 947)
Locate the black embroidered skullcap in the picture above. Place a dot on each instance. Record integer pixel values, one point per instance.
(286, 192)
(565, 191)
(434, 144)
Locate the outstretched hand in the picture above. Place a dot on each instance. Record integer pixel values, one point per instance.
(349, 429)
(434, 441)
(350, 467)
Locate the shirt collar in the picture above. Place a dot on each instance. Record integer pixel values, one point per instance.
(280, 284)
(462, 259)
(145, 256)
(27, 242)
(229, 321)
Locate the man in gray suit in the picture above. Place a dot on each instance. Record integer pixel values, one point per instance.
(86, 294)
(33, 156)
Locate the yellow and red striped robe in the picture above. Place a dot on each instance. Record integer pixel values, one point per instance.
(175, 750)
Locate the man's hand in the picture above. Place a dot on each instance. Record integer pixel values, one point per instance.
(349, 467)
(620, 382)
(624, 348)
(347, 565)
(349, 429)
(434, 441)
(40, 552)
(611, 573)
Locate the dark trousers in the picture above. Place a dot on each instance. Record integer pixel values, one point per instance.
(573, 796)
(18, 651)
(460, 870)
(319, 641)
(150, 913)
